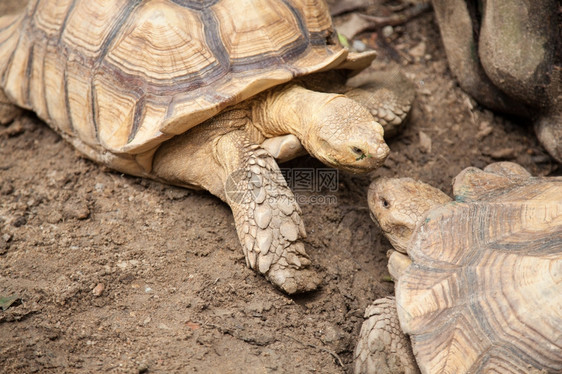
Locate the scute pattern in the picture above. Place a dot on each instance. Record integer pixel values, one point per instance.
(90, 45)
(503, 259)
(147, 70)
(50, 18)
(267, 31)
(150, 45)
(316, 16)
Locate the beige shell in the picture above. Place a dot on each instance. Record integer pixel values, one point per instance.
(118, 77)
(484, 291)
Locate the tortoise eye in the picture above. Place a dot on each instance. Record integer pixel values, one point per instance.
(359, 153)
(385, 203)
(357, 150)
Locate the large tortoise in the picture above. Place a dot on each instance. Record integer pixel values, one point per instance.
(507, 54)
(202, 95)
(481, 290)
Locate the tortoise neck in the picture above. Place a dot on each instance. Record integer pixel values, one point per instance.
(290, 109)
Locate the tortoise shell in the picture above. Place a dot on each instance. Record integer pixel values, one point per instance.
(119, 77)
(483, 293)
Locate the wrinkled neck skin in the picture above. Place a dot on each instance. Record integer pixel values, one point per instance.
(289, 110)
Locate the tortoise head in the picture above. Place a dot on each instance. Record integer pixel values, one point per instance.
(333, 128)
(399, 206)
(343, 134)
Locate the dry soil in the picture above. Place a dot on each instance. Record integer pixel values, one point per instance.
(121, 274)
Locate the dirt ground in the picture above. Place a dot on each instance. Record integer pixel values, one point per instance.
(121, 274)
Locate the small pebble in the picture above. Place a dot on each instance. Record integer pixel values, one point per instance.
(143, 368)
(359, 46)
(98, 290)
(504, 154)
(19, 221)
(6, 188)
(484, 130)
(54, 217)
(163, 326)
(425, 142)
(418, 51)
(387, 31)
(76, 209)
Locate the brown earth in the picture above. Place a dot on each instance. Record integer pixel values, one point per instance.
(120, 274)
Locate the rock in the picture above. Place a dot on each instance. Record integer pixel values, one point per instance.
(503, 154)
(387, 31)
(98, 290)
(359, 46)
(4, 245)
(6, 188)
(142, 368)
(335, 337)
(418, 51)
(484, 130)
(425, 142)
(76, 208)
(19, 221)
(54, 217)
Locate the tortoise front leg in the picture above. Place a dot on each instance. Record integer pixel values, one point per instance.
(248, 179)
(387, 95)
(382, 347)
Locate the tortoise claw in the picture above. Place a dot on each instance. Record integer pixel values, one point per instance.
(292, 281)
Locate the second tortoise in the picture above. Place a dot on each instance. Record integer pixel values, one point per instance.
(480, 289)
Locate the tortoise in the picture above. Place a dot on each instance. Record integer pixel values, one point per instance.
(507, 55)
(204, 95)
(480, 289)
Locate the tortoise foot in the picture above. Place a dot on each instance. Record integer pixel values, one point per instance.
(549, 132)
(383, 348)
(268, 222)
(293, 280)
(387, 95)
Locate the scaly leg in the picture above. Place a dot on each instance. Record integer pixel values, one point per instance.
(241, 173)
(382, 347)
(387, 95)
